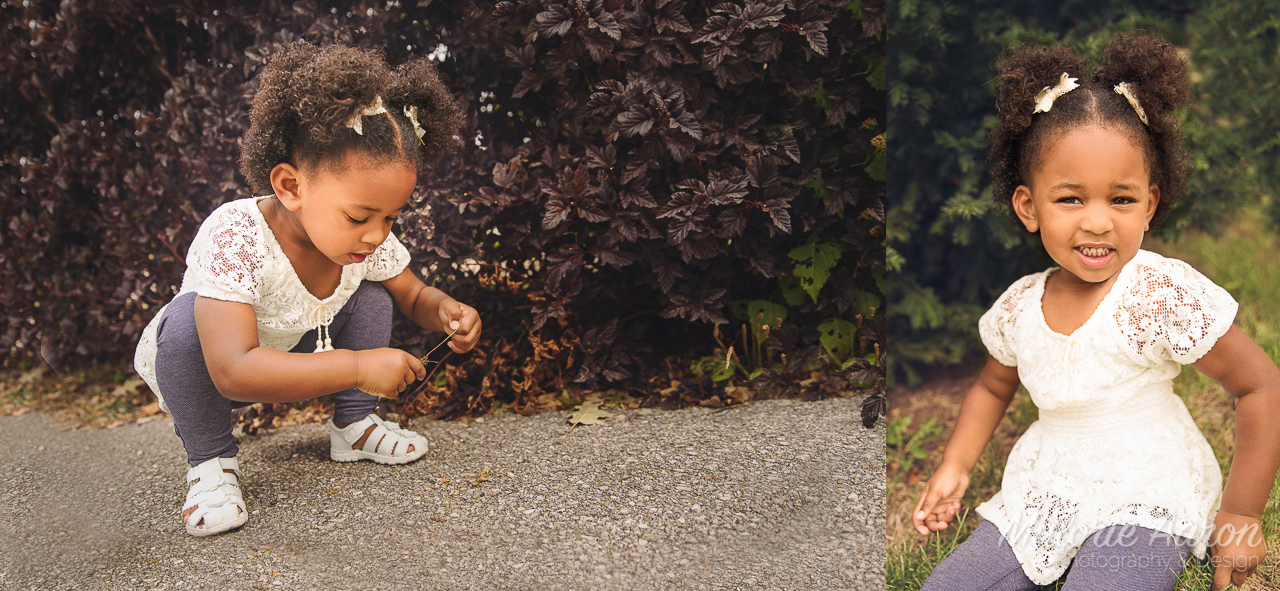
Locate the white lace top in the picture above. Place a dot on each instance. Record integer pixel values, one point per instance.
(235, 257)
(1113, 444)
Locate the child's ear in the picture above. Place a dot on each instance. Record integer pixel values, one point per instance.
(285, 180)
(1025, 208)
(1152, 204)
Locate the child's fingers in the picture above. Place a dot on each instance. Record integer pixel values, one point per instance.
(935, 516)
(467, 330)
(924, 509)
(419, 370)
(462, 345)
(1221, 577)
(942, 516)
(928, 501)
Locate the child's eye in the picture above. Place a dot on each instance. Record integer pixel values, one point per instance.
(355, 221)
(1069, 200)
(1123, 200)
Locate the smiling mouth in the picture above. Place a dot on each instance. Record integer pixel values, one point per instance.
(1095, 256)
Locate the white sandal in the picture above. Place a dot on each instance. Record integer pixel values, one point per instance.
(390, 443)
(216, 496)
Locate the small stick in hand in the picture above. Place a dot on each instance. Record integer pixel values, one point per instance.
(424, 359)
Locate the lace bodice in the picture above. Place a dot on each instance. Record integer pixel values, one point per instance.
(235, 257)
(1113, 444)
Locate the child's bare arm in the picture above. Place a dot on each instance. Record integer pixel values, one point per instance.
(980, 413)
(1245, 371)
(243, 370)
(434, 310)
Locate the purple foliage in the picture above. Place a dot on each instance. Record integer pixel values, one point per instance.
(628, 168)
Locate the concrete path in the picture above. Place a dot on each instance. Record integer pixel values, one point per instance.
(775, 495)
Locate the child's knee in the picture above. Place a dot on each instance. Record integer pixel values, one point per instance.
(373, 298)
(177, 333)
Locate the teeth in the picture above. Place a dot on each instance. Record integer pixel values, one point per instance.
(1094, 252)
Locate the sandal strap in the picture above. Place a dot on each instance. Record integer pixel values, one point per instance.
(352, 433)
(394, 427)
(211, 488)
(392, 443)
(214, 467)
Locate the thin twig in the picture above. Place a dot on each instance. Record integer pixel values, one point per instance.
(424, 359)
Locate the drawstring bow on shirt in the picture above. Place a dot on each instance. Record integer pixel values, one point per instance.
(321, 317)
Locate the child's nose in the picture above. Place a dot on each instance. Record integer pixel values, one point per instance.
(1097, 220)
(375, 234)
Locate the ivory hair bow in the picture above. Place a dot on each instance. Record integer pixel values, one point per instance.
(1044, 100)
(412, 114)
(356, 121)
(1126, 90)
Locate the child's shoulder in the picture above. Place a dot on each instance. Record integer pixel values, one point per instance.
(1155, 271)
(236, 208)
(1167, 310)
(239, 216)
(235, 224)
(1018, 290)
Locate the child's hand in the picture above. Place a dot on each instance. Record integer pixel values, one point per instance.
(1238, 548)
(465, 320)
(387, 372)
(940, 502)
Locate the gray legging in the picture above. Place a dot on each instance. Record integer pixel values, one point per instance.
(1112, 559)
(202, 416)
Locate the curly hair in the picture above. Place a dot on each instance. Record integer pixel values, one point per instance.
(1154, 71)
(307, 94)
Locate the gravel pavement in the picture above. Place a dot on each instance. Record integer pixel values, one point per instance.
(772, 495)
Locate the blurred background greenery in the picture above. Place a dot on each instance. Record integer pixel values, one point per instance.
(951, 250)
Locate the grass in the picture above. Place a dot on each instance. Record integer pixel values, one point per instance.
(1240, 260)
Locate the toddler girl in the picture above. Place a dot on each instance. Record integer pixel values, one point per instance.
(289, 296)
(1115, 473)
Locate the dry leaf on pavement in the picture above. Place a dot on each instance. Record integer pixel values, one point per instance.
(589, 414)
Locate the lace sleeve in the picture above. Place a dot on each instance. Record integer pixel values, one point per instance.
(226, 258)
(1170, 311)
(997, 324)
(389, 260)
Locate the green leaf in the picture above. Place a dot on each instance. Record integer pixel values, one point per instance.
(878, 77)
(813, 264)
(858, 11)
(876, 169)
(819, 187)
(868, 302)
(837, 337)
(761, 313)
(819, 95)
(791, 291)
(723, 372)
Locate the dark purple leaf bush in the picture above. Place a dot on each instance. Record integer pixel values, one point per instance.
(634, 176)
